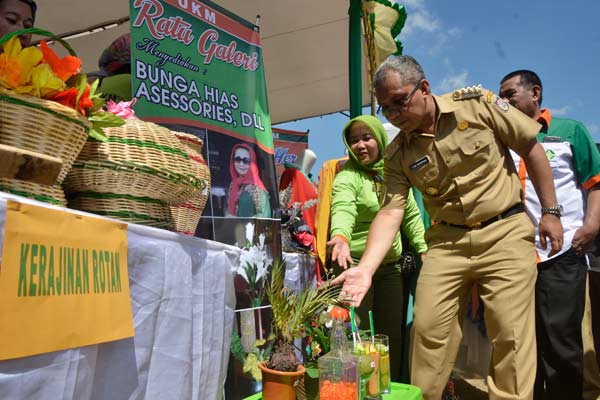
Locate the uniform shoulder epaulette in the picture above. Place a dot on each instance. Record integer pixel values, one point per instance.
(468, 92)
(393, 147)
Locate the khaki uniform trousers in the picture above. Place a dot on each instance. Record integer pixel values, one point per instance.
(500, 259)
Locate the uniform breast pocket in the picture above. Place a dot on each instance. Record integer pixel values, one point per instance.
(476, 145)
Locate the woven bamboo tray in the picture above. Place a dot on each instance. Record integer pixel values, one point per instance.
(42, 126)
(135, 210)
(129, 178)
(186, 216)
(48, 194)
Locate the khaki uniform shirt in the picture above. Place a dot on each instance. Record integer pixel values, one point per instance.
(464, 171)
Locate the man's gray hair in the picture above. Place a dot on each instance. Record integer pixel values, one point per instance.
(407, 67)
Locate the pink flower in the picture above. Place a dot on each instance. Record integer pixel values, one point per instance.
(122, 109)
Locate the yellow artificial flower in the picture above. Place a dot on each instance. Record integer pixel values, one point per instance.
(44, 83)
(16, 65)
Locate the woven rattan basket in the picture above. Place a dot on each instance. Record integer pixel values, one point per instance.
(186, 216)
(142, 143)
(140, 159)
(39, 125)
(48, 194)
(131, 179)
(42, 126)
(136, 210)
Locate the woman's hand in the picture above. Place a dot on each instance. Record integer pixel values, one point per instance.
(340, 251)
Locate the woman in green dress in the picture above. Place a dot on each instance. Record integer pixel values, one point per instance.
(247, 195)
(355, 201)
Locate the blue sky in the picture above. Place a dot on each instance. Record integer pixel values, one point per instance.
(467, 42)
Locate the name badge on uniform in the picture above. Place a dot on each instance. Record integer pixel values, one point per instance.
(552, 139)
(420, 163)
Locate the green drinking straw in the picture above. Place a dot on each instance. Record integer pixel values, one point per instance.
(372, 326)
(352, 325)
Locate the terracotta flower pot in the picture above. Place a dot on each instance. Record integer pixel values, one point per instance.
(278, 385)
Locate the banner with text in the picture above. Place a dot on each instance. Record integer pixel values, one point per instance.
(289, 145)
(198, 68)
(196, 64)
(60, 286)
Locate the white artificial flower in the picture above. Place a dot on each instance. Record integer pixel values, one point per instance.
(261, 241)
(249, 232)
(255, 257)
(241, 270)
(262, 269)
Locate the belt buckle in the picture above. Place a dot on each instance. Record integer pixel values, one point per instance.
(476, 225)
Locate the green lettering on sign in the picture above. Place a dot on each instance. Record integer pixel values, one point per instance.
(33, 269)
(42, 272)
(86, 275)
(95, 268)
(51, 290)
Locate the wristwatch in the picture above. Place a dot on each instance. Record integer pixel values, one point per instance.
(556, 210)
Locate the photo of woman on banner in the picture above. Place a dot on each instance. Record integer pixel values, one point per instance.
(247, 195)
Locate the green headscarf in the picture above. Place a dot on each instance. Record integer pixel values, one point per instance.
(380, 136)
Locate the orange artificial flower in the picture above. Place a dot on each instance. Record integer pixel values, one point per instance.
(63, 68)
(69, 97)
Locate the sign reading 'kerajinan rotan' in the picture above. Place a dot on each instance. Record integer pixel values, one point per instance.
(63, 281)
(46, 271)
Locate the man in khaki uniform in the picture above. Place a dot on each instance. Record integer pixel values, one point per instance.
(453, 148)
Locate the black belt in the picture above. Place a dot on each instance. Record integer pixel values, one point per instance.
(478, 225)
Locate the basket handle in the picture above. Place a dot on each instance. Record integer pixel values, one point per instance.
(41, 32)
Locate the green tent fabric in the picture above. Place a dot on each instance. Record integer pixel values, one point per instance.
(355, 57)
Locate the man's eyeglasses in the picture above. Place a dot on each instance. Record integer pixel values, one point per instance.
(399, 105)
(243, 160)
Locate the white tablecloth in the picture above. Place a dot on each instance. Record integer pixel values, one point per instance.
(183, 302)
(300, 270)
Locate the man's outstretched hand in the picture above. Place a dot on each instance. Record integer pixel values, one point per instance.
(357, 282)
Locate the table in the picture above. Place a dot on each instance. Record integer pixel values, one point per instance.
(400, 391)
(183, 301)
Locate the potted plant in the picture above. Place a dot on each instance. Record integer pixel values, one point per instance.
(291, 314)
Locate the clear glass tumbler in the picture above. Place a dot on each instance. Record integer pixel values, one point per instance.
(382, 345)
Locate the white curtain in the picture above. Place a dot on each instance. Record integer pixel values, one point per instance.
(183, 302)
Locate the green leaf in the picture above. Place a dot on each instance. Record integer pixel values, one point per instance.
(81, 85)
(94, 86)
(105, 119)
(251, 366)
(236, 347)
(98, 134)
(312, 371)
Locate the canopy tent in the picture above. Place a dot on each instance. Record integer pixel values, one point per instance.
(305, 47)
